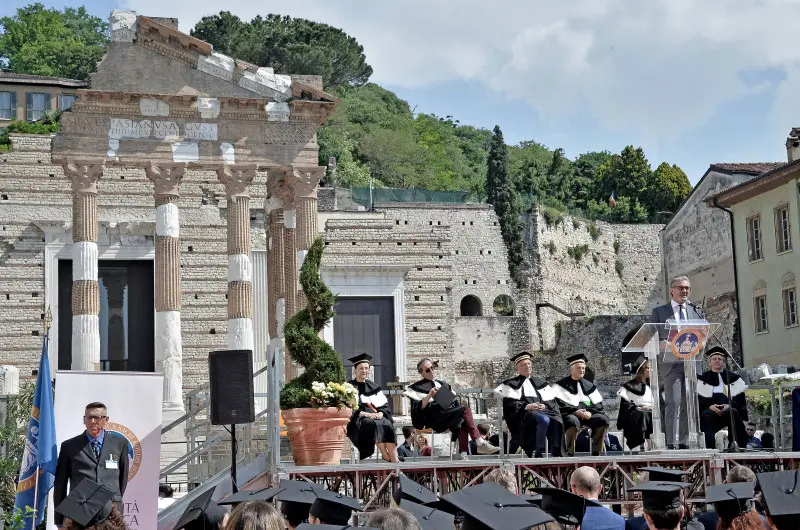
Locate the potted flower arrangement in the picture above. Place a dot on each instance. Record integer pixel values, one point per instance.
(317, 405)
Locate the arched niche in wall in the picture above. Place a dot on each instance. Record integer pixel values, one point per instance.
(471, 306)
(503, 306)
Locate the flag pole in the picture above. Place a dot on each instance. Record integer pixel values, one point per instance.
(48, 318)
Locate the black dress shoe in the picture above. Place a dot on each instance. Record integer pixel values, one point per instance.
(538, 454)
(683, 446)
(670, 447)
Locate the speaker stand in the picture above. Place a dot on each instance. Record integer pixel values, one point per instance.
(234, 487)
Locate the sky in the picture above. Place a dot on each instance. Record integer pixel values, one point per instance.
(693, 82)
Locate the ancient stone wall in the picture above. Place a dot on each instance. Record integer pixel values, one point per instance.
(590, 268)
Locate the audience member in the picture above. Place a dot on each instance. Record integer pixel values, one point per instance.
(393, 519)
(503, 476)
(585, 481)
(255, 515)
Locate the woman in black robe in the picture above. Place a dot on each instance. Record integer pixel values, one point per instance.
(371, 423)
(635, 416)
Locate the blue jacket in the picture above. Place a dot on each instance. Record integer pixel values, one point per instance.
(601, 518)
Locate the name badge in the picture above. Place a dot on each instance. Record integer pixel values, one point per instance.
(112, 463)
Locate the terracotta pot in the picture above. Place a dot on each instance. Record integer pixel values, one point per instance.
(316, 435)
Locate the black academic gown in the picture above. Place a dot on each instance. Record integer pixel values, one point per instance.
(707, 397)
(636, 424)
(566, 391)
(366, 432)
(519, 392)
(433, 416)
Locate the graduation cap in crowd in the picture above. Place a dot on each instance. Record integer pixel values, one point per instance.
(360, 358)
(429, 518)
(413, 491)
(296, 497)
(564, 506)
(732, 499)
(266, 495)
(579, 358)
(306, 526)
(520, 356)
(536, 499)
(660, 474)
(782, 497)
(196, 509)
(490, 506)
(87, 504)
(717, 350)
(334, 508)
(659, 495)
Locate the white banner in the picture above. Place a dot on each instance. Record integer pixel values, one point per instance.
(133, 400)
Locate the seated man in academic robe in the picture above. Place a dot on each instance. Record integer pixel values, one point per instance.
(581, 405)
(530, 410)
(635, 416)
(426, 413)
(715, 402)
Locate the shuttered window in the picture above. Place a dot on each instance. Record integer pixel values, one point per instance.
(8, 105)
(36, 104)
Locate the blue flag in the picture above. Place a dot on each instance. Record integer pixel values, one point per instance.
(41, 451)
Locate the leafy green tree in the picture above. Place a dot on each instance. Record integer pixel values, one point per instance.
(49, 42)
(668, 187)
(626, 174)
(289, 45)
(502, 194)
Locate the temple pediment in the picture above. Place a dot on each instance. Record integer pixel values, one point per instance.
(160, 95)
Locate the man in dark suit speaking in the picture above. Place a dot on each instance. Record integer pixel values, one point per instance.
(94, 454)
(672, 374)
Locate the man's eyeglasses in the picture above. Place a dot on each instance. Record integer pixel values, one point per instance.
(428, 370)
(679, 288)
(94, 419)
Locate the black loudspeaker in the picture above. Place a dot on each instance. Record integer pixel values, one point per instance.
(232, 398)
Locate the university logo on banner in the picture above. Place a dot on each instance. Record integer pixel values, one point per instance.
(134, 447)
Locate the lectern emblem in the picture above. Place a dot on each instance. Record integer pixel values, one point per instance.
(686, 343)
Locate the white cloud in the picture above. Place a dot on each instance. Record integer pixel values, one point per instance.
(657, 68)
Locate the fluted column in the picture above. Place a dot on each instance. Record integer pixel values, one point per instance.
(276, 280)
(166, 179)
(306, 182)
(84, 175)
(237, 178)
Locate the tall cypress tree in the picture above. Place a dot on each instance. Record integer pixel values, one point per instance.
(501, 193)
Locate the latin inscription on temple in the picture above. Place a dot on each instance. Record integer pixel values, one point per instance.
(119, 128)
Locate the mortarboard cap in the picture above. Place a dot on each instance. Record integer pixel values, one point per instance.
(491, 506)
(195, 509)
(334, 508)
(413, 491)
(782, 497)
(579, 358)
(520, 356)
(266, 495)
(566, 507)
(717, 350)
(297, 491)
(429, 518)
(87, 504)
(360, 358)
(659, 495)
(307, 526)
(661, 474)
(732, 499)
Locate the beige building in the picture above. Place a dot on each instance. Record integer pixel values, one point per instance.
(765, 222)
(28, 97)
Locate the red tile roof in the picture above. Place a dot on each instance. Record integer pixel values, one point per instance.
(748, 168)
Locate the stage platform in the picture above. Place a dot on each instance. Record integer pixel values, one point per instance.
(373, 482)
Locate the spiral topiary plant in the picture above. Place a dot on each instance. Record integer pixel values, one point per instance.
(321, 362)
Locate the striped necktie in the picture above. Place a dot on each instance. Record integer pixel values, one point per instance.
(682, 314)
(96, 448)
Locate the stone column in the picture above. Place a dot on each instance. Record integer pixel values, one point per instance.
(237, 178)
(84, 175)
(306, 182)
(166, 179)
(276, 280)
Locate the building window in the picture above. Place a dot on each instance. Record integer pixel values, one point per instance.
(36, 104)
(783, 229)
(65, 101)
(8, 105)
(760, 306)
(754, 238)
(471, 306)
(789, 307)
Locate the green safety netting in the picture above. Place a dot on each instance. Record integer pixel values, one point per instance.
(383, 195)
